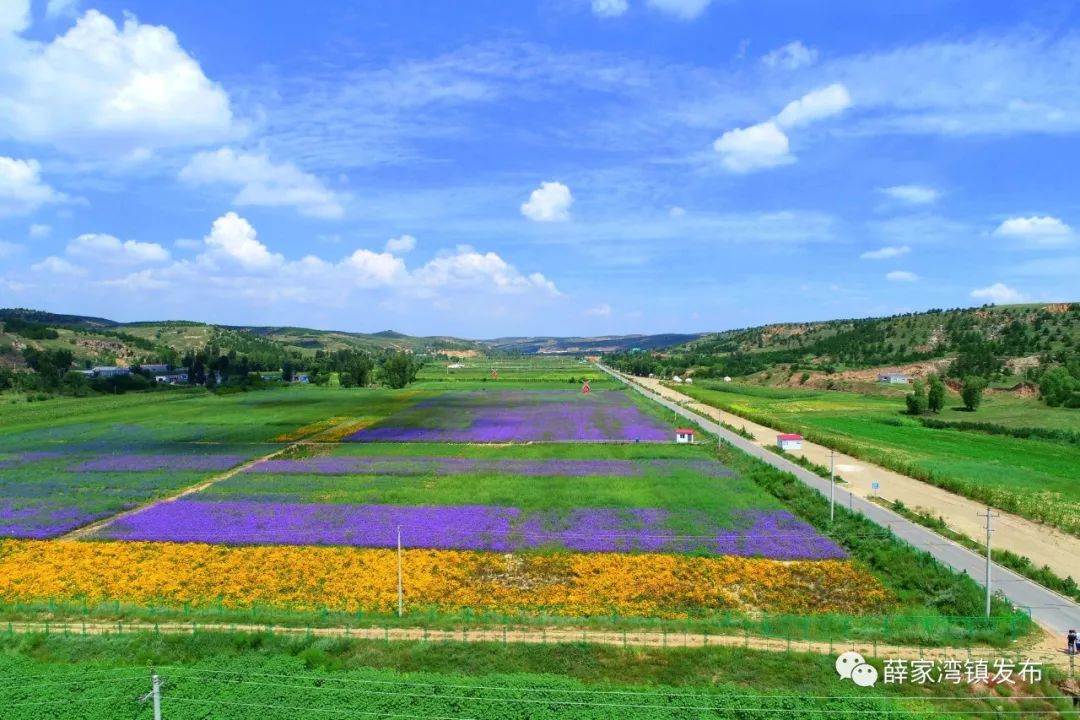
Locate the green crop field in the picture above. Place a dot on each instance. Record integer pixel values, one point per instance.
(1032, 476)
(265, 677)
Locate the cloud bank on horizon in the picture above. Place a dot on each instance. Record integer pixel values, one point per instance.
(591, 167)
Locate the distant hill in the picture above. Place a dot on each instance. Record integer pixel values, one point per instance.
(598, 345)
(103, 341)
(54, 320)
(1004, 332)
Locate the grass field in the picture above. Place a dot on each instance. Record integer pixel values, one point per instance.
(1033, 477)
(266, 677)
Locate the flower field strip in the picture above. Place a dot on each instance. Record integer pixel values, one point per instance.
(42, 497)
(771, 534)
(360, 465)
(519, 416)
(42, 522)
(352, 579)
(146, 463)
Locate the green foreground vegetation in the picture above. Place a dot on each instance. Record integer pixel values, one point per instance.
(260, 676)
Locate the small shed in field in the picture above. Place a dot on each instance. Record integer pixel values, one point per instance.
(789, 441)
(893, 378)
(684, 435)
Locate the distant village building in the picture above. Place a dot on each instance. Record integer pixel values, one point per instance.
(300, 378)
(156, 368)
(893, 378)
(455, 366)
(110, 371)
(172, 378)
(727, 378)
(684, 435)
(789, 441)
(689, 381)
(676, 379)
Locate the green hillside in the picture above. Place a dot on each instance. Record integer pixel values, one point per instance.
(1036, 332)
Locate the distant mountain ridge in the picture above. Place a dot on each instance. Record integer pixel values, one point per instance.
(183, 335)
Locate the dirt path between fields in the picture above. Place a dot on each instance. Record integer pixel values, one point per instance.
(1043, 651)
(87, 530)
(1043, 544)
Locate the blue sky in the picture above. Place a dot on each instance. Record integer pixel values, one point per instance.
(536, 166)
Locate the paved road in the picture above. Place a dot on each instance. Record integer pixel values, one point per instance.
(1053, 611)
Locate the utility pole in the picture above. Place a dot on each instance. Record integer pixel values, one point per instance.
(989, 515)
(154, 694)
(400, 590)
(832, 485)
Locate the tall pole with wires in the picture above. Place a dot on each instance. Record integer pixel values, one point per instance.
(832, 486)
(400, 589)
(989, 515)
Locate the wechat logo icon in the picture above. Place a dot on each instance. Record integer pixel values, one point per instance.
(853, 666)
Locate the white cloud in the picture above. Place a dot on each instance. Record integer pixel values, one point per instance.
(675, 211)
(914, 194)
(233, 239)
(38, 231)
(601, 310)
(99, 247)
(815, 105)
(14, 16)
(548, 203)
(609, 8)
(58, 266)
(21, 188)
(8, 249)
(139, 280)
(403, 244)
(754, 148)
(61, 8)
(1037, 231)
(263, 182)
(886, 253)
(104, 90)
(765, 145)
(467, 268)
(792, 56)
(901, 276)
(999, 294)
(681, 9)
(371, 269)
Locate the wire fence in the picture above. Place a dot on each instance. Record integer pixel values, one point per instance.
(840, 629)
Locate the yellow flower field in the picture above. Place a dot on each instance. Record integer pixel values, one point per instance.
(351, 579)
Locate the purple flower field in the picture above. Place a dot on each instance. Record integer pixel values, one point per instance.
(412, 465)
(497, 416)
(36, 523)
(144, 463)
(772, 534)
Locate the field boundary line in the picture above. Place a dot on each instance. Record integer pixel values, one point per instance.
(556, 635)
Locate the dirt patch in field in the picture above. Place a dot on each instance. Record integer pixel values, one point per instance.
(461, 353)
